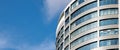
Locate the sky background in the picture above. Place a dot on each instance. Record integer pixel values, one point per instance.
(29, 24)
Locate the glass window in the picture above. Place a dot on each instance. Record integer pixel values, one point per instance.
(67, 48)
(72, 25)
(84, 28)
(67, 21)
(67, 11)
(61, 39)
(61, 32)
(113, 49)
(84, 38)
(84, 8)
(66, 40)
(74, 4)
(61, 46)
(58, 42)
(110, 11)
(109, 42)
(81, 1)
(108, 22)
(58, 34)
(66, 30)
(84, 18)
(107, 2)
(88, 46)
(109, 32)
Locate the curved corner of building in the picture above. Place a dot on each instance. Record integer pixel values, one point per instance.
(89, 25)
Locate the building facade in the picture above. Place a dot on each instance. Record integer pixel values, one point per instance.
(89, 25)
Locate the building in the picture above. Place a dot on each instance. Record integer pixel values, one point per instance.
(89, 25)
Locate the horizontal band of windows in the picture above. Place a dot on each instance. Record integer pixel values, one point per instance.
(109, 42)
(84, 8)
(105, 22)
(110, 31)
(88, 46)
(84, 38)
(113, 49)
(107, 2)
(84, 18)
(73, 5)
(77, 2)
(84, 28)
(110, 11)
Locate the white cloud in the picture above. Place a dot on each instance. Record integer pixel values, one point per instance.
(54, 6)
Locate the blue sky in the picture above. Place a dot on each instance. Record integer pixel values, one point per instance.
(29, 24)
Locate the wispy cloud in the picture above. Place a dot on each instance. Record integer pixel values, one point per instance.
(3, 43)
(6, 43)
(45, 45)
(9, 37)
(54, 6)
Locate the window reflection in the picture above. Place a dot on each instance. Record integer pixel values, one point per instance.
(80, 1)
(88, 46)
(84, 28)
(108, 42)
(108, 32)
(84, 18)
(111, 11)
(84, 8)
(74, 4)
(108, 22)
(84, 38)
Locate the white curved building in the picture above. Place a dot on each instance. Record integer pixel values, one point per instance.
(89, 25)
